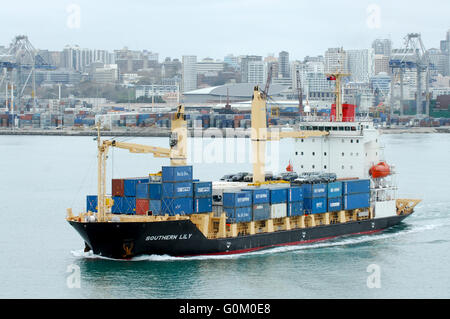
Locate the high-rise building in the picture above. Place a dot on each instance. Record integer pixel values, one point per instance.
(283, 62)
(335, 60)
(382, 46)
(256, 73)
(189, 72)
(209, 66)
(438, 60)
(360, 64)
(445, 49)
(245, 60)
(381, 64)
(232, 61)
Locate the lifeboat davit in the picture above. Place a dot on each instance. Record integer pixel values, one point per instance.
(380, 170)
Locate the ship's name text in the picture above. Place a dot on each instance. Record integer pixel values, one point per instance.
(168, 237)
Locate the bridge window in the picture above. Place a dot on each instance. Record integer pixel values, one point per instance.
(325, 167)
(325, 153)
(342, 154)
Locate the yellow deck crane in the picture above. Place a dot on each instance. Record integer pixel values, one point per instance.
(177, 154)
(260, 135)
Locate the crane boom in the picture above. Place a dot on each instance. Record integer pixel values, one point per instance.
(177, 153)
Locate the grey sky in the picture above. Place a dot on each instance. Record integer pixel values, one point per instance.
(215, 28)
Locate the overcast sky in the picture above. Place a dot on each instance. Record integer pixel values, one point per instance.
(214, 28)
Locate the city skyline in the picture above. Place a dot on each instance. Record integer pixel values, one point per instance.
(179, 29)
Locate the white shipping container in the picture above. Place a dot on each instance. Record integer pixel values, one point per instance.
(278, 210)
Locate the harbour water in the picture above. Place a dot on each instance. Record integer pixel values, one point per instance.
(42, 256)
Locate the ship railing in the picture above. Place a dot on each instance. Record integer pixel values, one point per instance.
(318, 118)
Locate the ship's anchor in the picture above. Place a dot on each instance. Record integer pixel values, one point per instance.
(128, 250)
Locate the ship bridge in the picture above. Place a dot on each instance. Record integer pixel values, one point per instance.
(349, 150)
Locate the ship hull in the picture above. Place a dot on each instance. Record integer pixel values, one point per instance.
(182, 237)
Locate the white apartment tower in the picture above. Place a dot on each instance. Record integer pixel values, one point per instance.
(189, 72)
(360, 64)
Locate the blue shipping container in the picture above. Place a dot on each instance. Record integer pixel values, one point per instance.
(314, 190)
(142, 191)
(155, 190)
(238, 214)
(129, 185)
(259, 195)
(356, 186)
(353, 201)
(203, 205)
(334, 204)
(177, 206)
(316, 205)
(202, 189)
(177, 173)
(295, 194)
(294, 209)
(334, 189)
(155, 206)
(237, 199)
(261, 212)
(117, 207)
(177, 190)
(129, 205)
(91, 203)
(278, 195)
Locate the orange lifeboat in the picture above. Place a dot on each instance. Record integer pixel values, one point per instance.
(289, 168)
(380, 170)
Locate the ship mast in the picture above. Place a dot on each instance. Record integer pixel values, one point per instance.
(337, 76)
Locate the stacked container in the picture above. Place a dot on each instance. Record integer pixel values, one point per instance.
(124, 195)
(237, 205)
(261, 202)
(294, 201)
(315, 198)
(177, 190)
(142, 198)
(334, 196)
(278, 201)
(202, 197)
(356, 193)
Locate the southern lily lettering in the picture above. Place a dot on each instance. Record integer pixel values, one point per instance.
(168, 237)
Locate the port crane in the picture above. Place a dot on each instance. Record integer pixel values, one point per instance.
(413, 56)
(21, 57)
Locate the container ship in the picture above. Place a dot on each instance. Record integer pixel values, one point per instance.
(338, 185)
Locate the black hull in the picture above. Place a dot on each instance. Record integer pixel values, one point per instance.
(182, 238)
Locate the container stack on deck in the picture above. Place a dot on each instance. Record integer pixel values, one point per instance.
(176, 193)
(356, 194)
(315, 198)
(237, 205)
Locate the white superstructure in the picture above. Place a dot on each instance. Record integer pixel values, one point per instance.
(349, 150)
